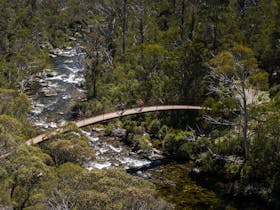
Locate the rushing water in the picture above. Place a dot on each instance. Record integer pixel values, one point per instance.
(111, 152)
(57, 89)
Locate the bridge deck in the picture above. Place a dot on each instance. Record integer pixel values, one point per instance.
(112, 115)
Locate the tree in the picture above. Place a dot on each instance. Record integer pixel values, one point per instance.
(231, 73)
(30, 172)
(94, 61)
(263, 164)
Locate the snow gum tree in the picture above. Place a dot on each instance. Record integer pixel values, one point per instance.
(236, 79)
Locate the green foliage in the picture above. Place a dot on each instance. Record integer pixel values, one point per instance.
(179, 144)
(89, 108)
(141, 142)
(185, 193)
(274, 91)
(260, 80)
(228, 144)
(32, 181)
(232, 169)
(70, 147)
(14, 104)
(261, 166)
(12, 134)
(109, 129)
(162, 132)
(154, 128)
(155, 50)
(130, 126)
(30, 171)
(101, 189)
(238, 63)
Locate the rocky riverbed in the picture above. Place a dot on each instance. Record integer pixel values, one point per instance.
(56, 89)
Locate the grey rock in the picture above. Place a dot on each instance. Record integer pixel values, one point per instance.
(48, 92)
(118, 132)
(50, 73)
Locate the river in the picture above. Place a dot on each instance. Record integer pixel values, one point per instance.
(58, 88)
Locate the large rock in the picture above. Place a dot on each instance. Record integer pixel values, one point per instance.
(155, 155)
(56, 51)
(48, 92)
(40, 105)
(52, 55)
(118, 132)
(50, 73)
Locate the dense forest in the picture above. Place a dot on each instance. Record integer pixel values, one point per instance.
(220, 54)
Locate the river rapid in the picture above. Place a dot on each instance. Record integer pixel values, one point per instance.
(52, 94)
(57, 89)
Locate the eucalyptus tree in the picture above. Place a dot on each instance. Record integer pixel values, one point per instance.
(94, 61)
(235, 76)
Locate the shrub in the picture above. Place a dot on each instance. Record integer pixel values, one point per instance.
(14, 104)
(162, 132)
(70, 147)
(154, 128)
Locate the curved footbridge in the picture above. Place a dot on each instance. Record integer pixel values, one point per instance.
(112, 115)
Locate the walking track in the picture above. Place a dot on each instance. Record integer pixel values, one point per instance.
(109, 116)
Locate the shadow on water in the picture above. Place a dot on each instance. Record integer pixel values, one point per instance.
(176, 183)
(153, 165)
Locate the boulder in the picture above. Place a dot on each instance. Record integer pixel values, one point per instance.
(56, 51)
(44, 83)
(52, 55)
(72, 38)
(155, 155)
(48, 92)
(97, 129)
(40, 105)
(50, 73)
(118, 132)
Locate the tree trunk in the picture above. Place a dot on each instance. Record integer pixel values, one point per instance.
(245, 120)
(110, 37)
(95, 75)
(191, 33)
(183, 8)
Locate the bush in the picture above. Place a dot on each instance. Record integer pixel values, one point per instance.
(162, 132)
(70, 147)
(173, 141)
(14, 104)
(109, 129)
(184, 152)
(88, 108)
(142, 142)
(229, 144)
(274, 91)
(154, 128)
(170, 144)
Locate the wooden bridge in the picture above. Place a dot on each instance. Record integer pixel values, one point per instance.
(112, 115)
